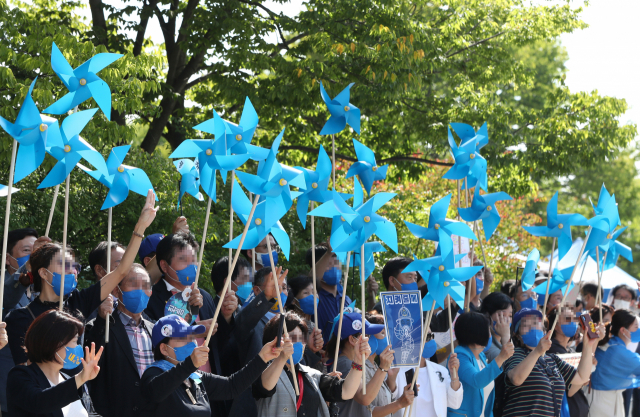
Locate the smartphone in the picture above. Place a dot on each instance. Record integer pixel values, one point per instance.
(280, 329)
(588, 325)
(409, 377)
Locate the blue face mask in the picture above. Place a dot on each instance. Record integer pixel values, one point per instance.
(635, 336)
(244, 291)
(486, 348)
(135, 300)
(409, 287)
(276, 306)
(569, 329)
(21, 261)
(529, 303)
(332, 276)
(72, 359)
(306, 304)
(479, 285)
(70, 283)
(382, 345)
(532, 337)
(263, 258)
(187, 276)
(298, 350)
(429, 349)
(373, 343)
(183, 352)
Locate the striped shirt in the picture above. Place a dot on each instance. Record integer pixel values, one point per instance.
(541, 393)
(140, 341)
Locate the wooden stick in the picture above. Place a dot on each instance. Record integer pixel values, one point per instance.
(459, 238)
(600, 273)
(233, 177)
(546, 295)
(53, 208)
(233, 265)
(484, 258)
(5, 235)
(281, 307)
(204, 240)
(584, 245)
(424, 340)
(313, 270)
(106, 333)
(455, 372)
(362, 277)
(344, 295)
(253, 252)
(64, 238)
(333, 160)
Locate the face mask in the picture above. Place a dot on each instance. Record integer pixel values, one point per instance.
(135, 300)
(569, 329)
(373, 344)
(429, 349)
(635, 336)
(382, 345)
(244, 291)
(298, 349)
(276, 306)
(72, 359)
(306, 304)
(479, 285)
(69, 283)
(263, 258)
(187, 276)
(486, 348)
(528, 303)
(183, 352)
(409, 287)
(621, 304)
(533, 337)
(21, 261)
(332, 276)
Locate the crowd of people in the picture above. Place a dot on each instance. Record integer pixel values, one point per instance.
(115, 351)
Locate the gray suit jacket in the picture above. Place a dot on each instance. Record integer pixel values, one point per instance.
(283, 402)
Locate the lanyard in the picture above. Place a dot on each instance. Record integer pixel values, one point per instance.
(301, 389)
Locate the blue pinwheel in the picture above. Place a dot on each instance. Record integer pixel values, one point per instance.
(559, 281)
(265, 221)
(615, 250)
(439, 226)
(467, 133)
(316, 184)
(366, 168)
(120, 178)
(444, 278)
(483, 208)
(369, 261)
(82, 83)
(190, 181)
(31, 130)
(558, 226)
(342, 112)
(528, 277)
(603, 200)
(603, 227)
(235, 137)
(468, 163)
(4, 190)
(427, 303)
(69, 148)
(273, 183)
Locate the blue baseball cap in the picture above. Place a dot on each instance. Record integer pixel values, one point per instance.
(149, 245)
(523, 313)
(173, 326)
(352, 324)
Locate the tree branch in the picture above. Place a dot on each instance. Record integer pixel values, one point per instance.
(475, 44)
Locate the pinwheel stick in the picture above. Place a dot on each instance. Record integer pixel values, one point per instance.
(344, 295)
(233, 177)
(600, 272)
(53, 208)
(362, 278)
(281, 307)
(333, 160)
(546, 295)
(313, 270)
(5, 235)
(106, 332)
(227, 282)
(204, 240)
(455, 371)
(459, 238)
(425, 328)
(484, 258)
(253, 253)
(64, 238)
(573, 272)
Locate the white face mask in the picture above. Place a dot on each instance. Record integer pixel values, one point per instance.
(621, 304)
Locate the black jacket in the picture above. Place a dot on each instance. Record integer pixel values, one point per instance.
(118, 378)
(29, 393)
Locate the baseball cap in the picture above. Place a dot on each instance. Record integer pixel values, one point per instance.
(173, 326)
(523, 313)
(149, 245)
(352, 324)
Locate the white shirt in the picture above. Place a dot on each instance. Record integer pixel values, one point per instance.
(75, 409)
(487, 389)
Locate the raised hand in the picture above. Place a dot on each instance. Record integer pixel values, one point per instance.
(148, 212)
(362, 346)
(200, 356)
(315, 342)
(454, 364)
(407, 397)
(270, 351)
(386, 358)
(229, 305)
(195, 299)
(90, 366)
(180, 225)
(4, 339)
(106, 307)
(544, 344)
(503, 327)
(270, 288)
